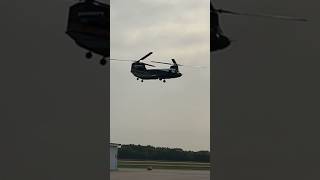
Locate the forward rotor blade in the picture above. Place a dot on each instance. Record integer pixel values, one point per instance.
(288, 18)
(101, 3)
(127, 60)
(144, 57)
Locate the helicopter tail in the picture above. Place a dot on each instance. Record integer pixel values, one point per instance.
(174, 62)
(175, 65)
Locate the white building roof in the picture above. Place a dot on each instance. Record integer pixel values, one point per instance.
(115, 145)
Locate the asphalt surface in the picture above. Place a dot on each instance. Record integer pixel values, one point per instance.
(142, 174)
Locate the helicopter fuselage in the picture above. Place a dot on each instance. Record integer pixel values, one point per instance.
(218, 40)
(88, 25)
(141, 72)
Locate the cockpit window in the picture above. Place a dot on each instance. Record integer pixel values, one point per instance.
(139, 66)
(91, 15)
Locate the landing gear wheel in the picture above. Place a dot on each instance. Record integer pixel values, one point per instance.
(141, 80)
(164, 80)
(137, 79)
(88, 55)
(103, 61)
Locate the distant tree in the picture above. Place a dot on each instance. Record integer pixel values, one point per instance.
(140, 152)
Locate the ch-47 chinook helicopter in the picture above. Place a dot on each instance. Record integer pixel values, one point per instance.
(139, 70)
(88, 25)
(218, 39)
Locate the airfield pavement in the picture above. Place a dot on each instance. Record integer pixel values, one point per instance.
(159, 174)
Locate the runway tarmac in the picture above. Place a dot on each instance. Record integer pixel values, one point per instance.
(143, 174)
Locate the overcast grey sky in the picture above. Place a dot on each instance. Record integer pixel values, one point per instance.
(172, 114)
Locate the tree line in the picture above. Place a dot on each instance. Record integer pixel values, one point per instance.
(139, 152)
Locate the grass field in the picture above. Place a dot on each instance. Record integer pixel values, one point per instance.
(163, 165)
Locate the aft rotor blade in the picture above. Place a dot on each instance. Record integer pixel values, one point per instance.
(144, 57)
(178, 64)
(161, 62)
(262, 15)
(200, 67)
(149, 65)
(166, 63)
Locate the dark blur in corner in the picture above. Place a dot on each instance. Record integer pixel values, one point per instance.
(54, 102)
(266, 94)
